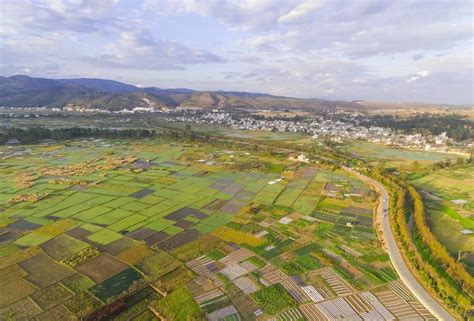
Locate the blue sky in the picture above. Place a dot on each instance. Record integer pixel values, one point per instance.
(366, 49)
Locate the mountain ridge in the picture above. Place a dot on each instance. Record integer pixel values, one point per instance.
(26, 91)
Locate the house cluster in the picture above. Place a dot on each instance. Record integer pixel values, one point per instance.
(426, 142)
(134, 110)
(333, 125)
(30, 109)
(319, 126)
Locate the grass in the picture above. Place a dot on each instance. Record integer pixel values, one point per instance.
(308, 262)
(80, 257)
(91, 227)
(179, 306)
(82, 304)
(215, 254)
(135, 254)
(91, 213)
(213, 222)
(238, 237)
(158, 265)
(256, 261)
(14, 291)
(63, 246)
(299, 265)
(115, 285)
(394, 156)
(447, 219)
(428, 257)
(274, 168)
(312, 247)
(467, 223)
(173, 230)
(124, 223)
(51, 296)
(288, 196)
(77, 282)
(104, 236)
(273, 299)
(33, 239)
(448, 231)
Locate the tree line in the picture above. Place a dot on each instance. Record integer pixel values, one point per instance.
(34, 135)
(456, 126)
(439, 252)
(448, 278)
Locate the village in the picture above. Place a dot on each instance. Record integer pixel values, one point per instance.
(336, 126)
(321, 127)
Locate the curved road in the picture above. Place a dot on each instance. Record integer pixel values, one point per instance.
(395, 256)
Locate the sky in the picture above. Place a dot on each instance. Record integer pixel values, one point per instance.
(382, 50)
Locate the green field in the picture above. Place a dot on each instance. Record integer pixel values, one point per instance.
(392, 156)
(90, 221)
(448, 220)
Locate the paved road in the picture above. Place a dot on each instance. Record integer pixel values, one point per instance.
(395, 256)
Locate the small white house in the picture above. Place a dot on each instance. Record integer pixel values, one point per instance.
(302, 158)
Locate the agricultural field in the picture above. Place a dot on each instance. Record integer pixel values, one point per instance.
(152, 121)
(392, 156)
(140, 229)
(449, 199)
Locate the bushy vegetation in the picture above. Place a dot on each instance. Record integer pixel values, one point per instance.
(274, 299)
(179, 306)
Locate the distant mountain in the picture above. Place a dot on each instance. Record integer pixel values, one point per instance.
(17, 83)
(168, 91)
(24, 91)
(104, 85)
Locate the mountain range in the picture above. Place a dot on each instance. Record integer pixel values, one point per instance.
(25, 91)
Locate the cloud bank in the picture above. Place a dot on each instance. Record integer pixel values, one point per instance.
(385, 50)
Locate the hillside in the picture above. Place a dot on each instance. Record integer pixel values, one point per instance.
(108, 86)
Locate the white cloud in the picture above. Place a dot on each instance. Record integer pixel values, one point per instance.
(139, 49)
(300, 11)
(238, 15)
(362, 28)
(59, 15)
(367, 49)
(418, 75)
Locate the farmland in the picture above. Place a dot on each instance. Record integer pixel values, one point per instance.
(449, 198)
(135, 229)
(393, 156)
